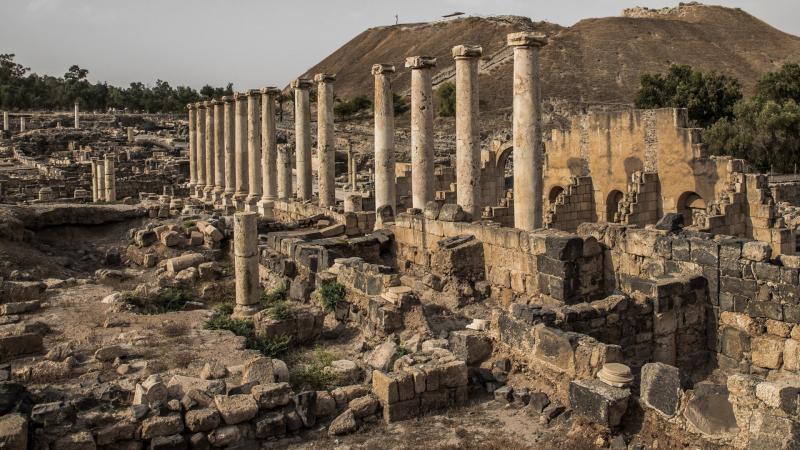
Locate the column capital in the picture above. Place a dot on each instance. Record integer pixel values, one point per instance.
(382, 69)
(208, 103)
(325, 77)
(239, 96)
(217, 102)
(420, 62)
(526, 39)
(227, 99)
(190, 106)
(253, 92)
(301, 83)
(270, 91)
(199, 105)
(467, 51)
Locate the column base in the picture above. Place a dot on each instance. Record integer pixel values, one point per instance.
(217, 195)
(208, 194)
(251, 204)
(227, 200)
(265, 208)
(239, 202)
(198, 191)
(244, 311)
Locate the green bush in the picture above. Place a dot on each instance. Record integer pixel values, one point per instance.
(271, 347)
(276, 295)
(280, 311)
(352, 106)
(222, 320)
(310, 373)
(400, 104)
(169, 300)
(330, 294)
(447, 99)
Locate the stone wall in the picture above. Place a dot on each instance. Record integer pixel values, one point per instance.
(355, 222)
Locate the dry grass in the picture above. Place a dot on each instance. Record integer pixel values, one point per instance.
(174, 329)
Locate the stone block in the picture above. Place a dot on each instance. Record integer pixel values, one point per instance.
(767, 351)
(271, 425)
(162, 426)
(709, 411)
(779, 394)
(21, 344)
(661, 388)
(598, 402)
(81, 440)
(401, 410)
(173, 442)
(470, 345)
(384, 386)
(272, 395)
(453, 374)
(756, 251)
(236, 408)
(14, 432)
(202, 420)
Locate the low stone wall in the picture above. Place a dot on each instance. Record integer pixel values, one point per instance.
(355, 222)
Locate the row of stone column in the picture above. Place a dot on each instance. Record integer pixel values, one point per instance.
(229, 161)
(104, 180)
(527, 142)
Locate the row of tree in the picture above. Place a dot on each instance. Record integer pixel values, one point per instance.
(764, 129)
(22, 89)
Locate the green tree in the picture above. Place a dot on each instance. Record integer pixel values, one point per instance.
(446, 95)
(707, 96)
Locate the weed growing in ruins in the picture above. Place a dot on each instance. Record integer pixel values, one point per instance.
(280, 311)
(276, 295)
(330, 294)
(222, 320)
(189, 223)
(169, 300)
(308, 372)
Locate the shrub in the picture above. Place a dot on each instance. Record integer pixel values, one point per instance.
(447, 99)
(330, 294)
(310, 373)
(350, 107)
(169, 300)
(400, 104)
(222, 320)
(280, 311)
(271, 347)
(276, 295)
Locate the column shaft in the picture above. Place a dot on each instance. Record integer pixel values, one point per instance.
(200, 150)
(385, 178)
(284, 163)
(219, 151)
(241, 150)
(326, 146)
(77, 120)
(94, 180)
(421, 130)
(192, 147)
(527, 132)
(468, 144)
(302, 137)
(229, 136)
(245, 251)
(110, 181)
(269, 139)
(253, 149)
(5, 121)
(209, 153)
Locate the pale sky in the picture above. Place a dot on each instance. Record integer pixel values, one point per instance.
(254, 43)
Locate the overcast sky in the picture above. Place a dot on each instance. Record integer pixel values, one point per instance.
(254, 43)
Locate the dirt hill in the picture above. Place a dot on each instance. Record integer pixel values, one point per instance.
(594, 61)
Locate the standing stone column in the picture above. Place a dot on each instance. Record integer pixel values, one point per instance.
(385, 178)
(229, 137)
(110, 177)
(245, 253)
(240, 149)
(421, 130)
(192, 146)
(209, 153)
(219, 151)
(101, 180)
(131, 137)
(77, 121)
(269, 150)
(5, 121)
(94, 179)
(200, 149)
(253, 149)
(326, 146)
(302, 137)
(284, 172)
(468, 144)
(21, 124)
(351, 167)
(527, 130)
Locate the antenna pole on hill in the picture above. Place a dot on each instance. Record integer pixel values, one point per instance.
(396, 19)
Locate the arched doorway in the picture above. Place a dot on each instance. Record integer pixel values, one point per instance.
(555, 191)
(693, 209)
(612, 204)
(505, 167)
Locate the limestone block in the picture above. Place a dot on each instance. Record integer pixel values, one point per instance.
(709, 410)
(384, 386)
(781, 394)
(600, 403)
(171, 238)
(272, 395)
(661, 388)
(768, 432)
(161, 426)
(14, 432)
(305, 406)
(82, 440)
(791, 355)
(756, 251)
(325, 405)
(258, 370)
(202, 420)
(236, 408)
(175, 265)
(269, 425)
(395, 412)
(180, 385)
(767, 351)
(22, 344)
(167, 442)
(343, 424)
(225, 436)
(471, 346)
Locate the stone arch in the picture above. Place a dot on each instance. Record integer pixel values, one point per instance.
(693, 208)
(612, 204)
(555, 191)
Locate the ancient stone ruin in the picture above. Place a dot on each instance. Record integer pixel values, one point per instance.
(228, 279)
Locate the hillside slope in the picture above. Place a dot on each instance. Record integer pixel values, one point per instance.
(593, 61)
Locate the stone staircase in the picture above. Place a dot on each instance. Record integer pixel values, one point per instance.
(640, 205)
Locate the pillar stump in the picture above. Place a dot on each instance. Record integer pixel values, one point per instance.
(245, 252)
(253, 149)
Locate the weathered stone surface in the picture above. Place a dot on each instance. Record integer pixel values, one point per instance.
(382, 356)
(272, 424)
(236, 408)
(363, 406)
(175, 265)
(710, 411)
(272, 395)
(225, 436)
(325, 404)
(471, 346)
(14, 432)
(346, 372)
(258, 370)
(161, 426)
(121, 431)
(82, 440)
(780, 395)
(343, 424)
(173, 442)
(661, 388)
(343, 395)
(213, 370)
(600, 403)
(179, 385)
(305, 404)
(22, 344)
(202, 420)
(767, 351)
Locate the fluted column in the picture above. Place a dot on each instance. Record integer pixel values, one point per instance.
(101, 179)
(229, 138)
(527, 130)
(240, 149)
(77, 119)
(326, 145)
(421, 130)
(245, 253)
(253, 149)
(200, 149)
(219, 153)
(110, 178)
(269, 150)
(284, 163)
(208, 190)
(385, 181)
(192, 150)
(468, 143)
